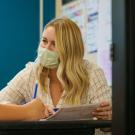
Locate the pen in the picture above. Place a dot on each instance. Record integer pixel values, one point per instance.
(35, 90)
(55, 109)
(35, 94)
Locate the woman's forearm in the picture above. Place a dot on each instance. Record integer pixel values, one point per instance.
(12, 112)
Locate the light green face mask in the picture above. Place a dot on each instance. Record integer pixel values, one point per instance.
(47, 58)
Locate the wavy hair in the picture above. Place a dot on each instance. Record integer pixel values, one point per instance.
(72, 72)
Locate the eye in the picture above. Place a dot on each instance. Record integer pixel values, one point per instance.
(53, 44)
(44, 41)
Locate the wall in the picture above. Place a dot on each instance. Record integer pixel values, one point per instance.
(49, 10)
(19, 34)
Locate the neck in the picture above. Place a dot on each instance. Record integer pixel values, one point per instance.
(54, 81)
(53, 75)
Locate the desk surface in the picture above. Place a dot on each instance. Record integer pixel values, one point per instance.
(83, 127)
(55, 124)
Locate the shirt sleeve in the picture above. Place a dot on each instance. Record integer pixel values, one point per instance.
(99, 90)
(16, 90)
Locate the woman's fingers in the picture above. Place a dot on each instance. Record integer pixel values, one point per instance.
(103, 104)
(102, 118)
(103, 115)
(48, 111)
(106, 113)
(102, 109)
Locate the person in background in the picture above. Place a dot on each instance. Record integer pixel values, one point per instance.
(34, 110)
(60, 73)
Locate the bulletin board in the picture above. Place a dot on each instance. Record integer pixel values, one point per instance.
(94, 20)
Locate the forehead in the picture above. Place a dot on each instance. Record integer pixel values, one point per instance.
(49, 33)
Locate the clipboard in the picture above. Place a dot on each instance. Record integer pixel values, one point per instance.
(82, 112)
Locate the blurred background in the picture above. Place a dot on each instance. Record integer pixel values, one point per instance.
(22, 23)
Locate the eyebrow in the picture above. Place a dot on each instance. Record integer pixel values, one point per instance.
(44, 38)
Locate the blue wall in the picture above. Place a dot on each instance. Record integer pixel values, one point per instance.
(19, 34)
(49, 10)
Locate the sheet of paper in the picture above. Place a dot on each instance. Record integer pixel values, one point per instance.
(74, 113)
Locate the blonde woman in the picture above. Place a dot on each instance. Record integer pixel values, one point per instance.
(62, 75)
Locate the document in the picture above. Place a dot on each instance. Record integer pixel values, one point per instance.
(82, 112)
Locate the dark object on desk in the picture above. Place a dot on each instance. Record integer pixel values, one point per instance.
(83, 127)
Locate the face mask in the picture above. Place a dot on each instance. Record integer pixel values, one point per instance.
(47, 58)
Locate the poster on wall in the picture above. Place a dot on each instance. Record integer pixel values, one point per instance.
(76, 11)
(92, 25)
(94, 19)
(105, 38)
(85, 14)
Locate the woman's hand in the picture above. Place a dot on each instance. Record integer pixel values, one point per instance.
(48, 111)
(36, 110)
(104, 111)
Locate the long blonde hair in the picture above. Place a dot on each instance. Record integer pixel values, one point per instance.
(71, 72)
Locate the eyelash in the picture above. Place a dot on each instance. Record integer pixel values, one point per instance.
(47, 42)
(44, 41)
(53, 45)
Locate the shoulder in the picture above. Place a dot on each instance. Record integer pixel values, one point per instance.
(96, 73)
(92, 67)
(30, 67)
(99, 90)
(20, 87)
(27, 72)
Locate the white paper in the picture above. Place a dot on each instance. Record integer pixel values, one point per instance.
(74, 113)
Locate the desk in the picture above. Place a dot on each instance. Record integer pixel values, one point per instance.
(83, 127)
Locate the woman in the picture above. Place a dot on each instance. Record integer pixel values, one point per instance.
(64, 77)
